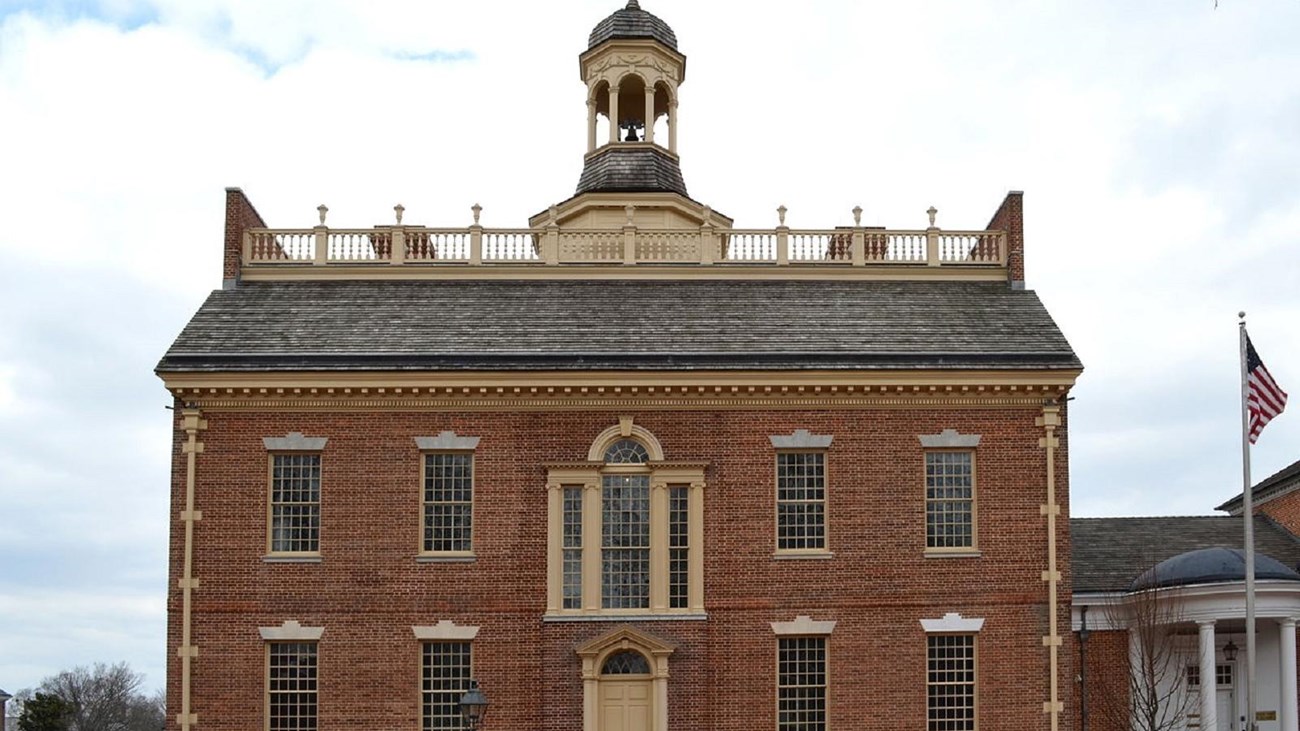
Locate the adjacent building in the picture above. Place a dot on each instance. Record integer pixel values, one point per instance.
(630, 466)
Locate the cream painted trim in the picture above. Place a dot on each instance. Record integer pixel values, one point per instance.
(623, 384)
(949, 439)
(291, 631)
(623, 430)
(953, 623)
(447, 441)
(446, 629)
(804, 625)
(588, 477)
(540, 271)
(593, 653)
(294, 442)
(802, 439)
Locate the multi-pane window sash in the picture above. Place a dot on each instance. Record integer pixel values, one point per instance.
(800, 501)
(949, 500)
(444, 678)
(291, 686)
(572, 547)
(448, 502)
(1222, 675)
(801, 684)
(679, 547)
(950, 682)
(295, 503)
(625, 542)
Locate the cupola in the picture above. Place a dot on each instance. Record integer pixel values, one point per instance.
(632, 70)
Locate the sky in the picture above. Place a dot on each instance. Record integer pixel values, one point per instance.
(1158, 145)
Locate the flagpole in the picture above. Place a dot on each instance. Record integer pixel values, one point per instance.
(1248, 514)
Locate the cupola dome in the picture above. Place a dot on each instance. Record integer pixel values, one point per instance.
(632, 22)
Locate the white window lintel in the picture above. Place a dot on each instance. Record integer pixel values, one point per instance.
(949, 439)
(294, 441)
(291, 631)
(446, 629)
(802, 439)
(953, 623)
(447, 440)
(804, 625)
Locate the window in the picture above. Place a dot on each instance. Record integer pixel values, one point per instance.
(624, 530)
(801, 684)
(448, 502)
(291, 686)
(801, 501)
(1222, 675)
(446, 673)
(295, 503)
(573, 548)
(801, 494)
(950, 682)
(625, 542)
(949, 500)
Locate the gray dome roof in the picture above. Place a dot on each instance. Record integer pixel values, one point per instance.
(632, 22)
(1210, 565)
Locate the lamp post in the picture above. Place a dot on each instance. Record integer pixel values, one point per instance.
(473, 706)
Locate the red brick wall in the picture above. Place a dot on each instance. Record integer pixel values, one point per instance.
(369, 590)
(1010, 218)
(1107, 680)
(240, 215)
(1284, 509)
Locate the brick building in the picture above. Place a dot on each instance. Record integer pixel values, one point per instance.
(630, 467)
(1172, 590)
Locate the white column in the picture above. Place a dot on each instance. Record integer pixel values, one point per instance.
(1209, 709)
(649, 114)
(672, 126)
(591, 125)
(1286, 636)
(613, 116)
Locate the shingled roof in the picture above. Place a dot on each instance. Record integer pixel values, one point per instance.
(1109, 553)
(618, 324)
(632, 22)
(625, 169)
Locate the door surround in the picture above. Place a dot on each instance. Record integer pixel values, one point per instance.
(593, 654)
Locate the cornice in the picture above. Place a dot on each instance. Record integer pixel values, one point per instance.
(614, 391)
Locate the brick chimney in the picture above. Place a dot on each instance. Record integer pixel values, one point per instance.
(1010, 218)
(240, 215)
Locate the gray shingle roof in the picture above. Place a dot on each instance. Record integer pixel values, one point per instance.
(632, 22)
(618, 324)
(628, 168)
(1109, 553)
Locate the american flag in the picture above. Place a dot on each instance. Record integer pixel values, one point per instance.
(1264, 398)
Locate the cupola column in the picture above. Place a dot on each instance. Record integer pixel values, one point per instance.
(649, 113)
(672, 126)
(613, 114)
(591, 125)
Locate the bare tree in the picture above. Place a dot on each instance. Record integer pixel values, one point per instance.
(103, 698)
(1154, 694)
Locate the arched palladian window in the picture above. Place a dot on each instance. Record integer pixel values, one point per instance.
(625, 529)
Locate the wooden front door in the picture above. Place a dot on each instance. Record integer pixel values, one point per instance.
(625, 705)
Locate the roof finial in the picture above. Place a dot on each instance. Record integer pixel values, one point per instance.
(633, 5)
